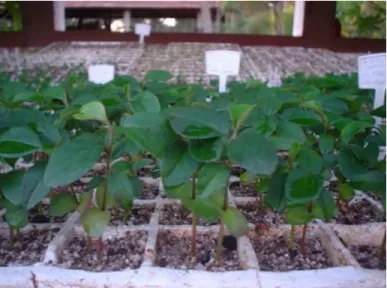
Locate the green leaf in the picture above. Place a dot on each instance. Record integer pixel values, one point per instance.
(298, 215)
(16, 219)
(235, 221)
(148, 130)
(301, 117)
(145, 102)
(269, 103)
(157, 75)
(34, 188)
(142, 163)
(352, 129)
(84, 200)
(309, 160)
(266, 125)
(206, 150)
(303, 187)
(371, 180)
(19, 141)
(62, 204)
(327, 204)
(68, 113)
(11, 186)
(346, 192)
(349, 165)
(287, 134)
(253, 152)
(95, 221)
(177, 164)
(275, 196)
(125, 146)
(122, 189)
(247, 177)
(54, 92)
(239, 114)
(198, 122)
(326, 143)
(99, 197)
(212, 177)
(263, 185)
(73, 159)
(93, 110)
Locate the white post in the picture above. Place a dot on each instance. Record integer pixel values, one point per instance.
(206, 17)
(127, 20)
(59, 16)
(199, 24)
(298, 18)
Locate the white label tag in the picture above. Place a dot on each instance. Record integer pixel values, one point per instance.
(100, 74)
(142, 30)
(372, 71)
(223, 63)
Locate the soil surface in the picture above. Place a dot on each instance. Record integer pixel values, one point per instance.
(263, 216)
(174, 252)
(149, 192)
(144, 172)
(243, 190)
(175, 214)
(118, 254)
(358, 213)
(27, 248)
(140, 215)
(368, 256)
(274, 255)
(43, 216)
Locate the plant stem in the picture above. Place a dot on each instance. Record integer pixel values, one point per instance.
(11, 235)
(218, 250)
(73, 191)
(291, 240)
(383, 248)
(193, 243)
(89, 245)
(99, 250)
(303, 249)
(261, 199)
(108, 160)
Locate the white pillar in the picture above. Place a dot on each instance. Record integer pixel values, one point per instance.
(298, 18)
(206, 17)
(199, 25)
(59, 16)
(127, 20)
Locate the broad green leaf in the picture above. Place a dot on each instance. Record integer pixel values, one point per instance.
(302, 187)
(150, 131)
(62, 204)
(16, 219)
(54, 92)
(95, 221)
(301, 117)
(141, 163)
(298, 215)
(93, 110)
(309, 160)
(346, 192)
(352, 129)
(326, 143)
(327, 204)
(18, 141)
(198, 122)
(122, 189)
(73, 159)
(235, 221)
(206, 150)
(287, 134)
(145, 102)
(34, 188)
(253, 152)
(157, 75)
(177, 164)
(239, 114)
(275, 196)
(125, 146)
(11, 186)
(99, 197)
(371, 180)
(211, 178)
(349, 165)
(84, 201)
(263, 185)
(266, 125)
(68, 113)
(268, 103)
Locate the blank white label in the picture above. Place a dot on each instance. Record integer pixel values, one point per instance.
(372, 71)
(223, 62)
(100, 74)
(142, 29)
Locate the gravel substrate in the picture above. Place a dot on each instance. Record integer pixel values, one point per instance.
(368, 256)
(118, 254)
(243, 190)
(140, 215)
(27, 248)
(43, 216)
(274, 255)
(149, 192)
(174, 214)
(361, 212)
(255, 215)
(173, 251)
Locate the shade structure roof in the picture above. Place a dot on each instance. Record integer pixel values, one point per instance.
(140, 4)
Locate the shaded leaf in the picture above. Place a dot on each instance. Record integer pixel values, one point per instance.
(95, 221)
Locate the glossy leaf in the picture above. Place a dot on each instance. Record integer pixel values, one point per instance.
(253, 152)
(73, 159)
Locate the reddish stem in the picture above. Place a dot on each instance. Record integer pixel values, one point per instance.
(303, 249)
(89, 244)
(99, 249)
